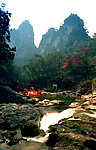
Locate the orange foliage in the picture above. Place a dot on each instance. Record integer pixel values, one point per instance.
(32, 92)
(71, 60)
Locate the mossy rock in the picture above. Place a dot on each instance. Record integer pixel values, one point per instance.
(10, 136)
(52, 139)
(13, 141)
(68, 123)
(29, 129)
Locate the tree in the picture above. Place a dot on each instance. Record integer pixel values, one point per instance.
(6, 53)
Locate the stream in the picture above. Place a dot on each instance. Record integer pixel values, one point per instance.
(38, 142)
(51, 119)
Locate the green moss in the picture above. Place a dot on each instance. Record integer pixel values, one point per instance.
(41, 113)
(13, 141)
(10, 135)
(67, 130)
(84, 118)
(84, 132)
(68, 123)
(20, 104)
(52, 128)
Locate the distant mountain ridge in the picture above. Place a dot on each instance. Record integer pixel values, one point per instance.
(72, 31)
(23, 39)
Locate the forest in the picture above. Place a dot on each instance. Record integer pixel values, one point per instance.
(71, 68)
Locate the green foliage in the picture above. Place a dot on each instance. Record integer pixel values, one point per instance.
(42, 72)
(6, 53)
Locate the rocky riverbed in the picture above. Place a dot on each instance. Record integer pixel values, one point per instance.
(20, 118)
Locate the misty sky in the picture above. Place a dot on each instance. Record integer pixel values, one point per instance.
(43, 14)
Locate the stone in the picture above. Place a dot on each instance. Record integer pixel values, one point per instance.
(52, 139)
(13, 115)
(55, 101)
(74, 105)
(30, 129)
(73, 141)
(7, 95)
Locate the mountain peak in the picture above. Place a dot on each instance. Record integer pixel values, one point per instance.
(23, 39)
(58, 40)
(74, 19)
(24, 24)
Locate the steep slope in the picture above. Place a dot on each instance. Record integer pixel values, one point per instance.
(59, 40)
(23, 39)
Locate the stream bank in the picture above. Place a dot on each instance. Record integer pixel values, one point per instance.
(9, 113)
(75, 132)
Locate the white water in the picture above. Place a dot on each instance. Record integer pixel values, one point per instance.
(51, 119)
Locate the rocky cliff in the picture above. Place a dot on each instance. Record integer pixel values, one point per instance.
(23, 39)
(58, 40)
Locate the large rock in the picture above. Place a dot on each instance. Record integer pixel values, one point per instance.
(7, 95)
(74, 141)
(30, 129)
(12, 115)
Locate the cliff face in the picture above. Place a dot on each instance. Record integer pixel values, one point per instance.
(23, 39)
(58, 40)
(70, 33)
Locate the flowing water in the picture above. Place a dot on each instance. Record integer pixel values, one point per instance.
(38, 142)
(51, 119)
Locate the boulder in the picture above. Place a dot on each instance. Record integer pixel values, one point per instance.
(11, 115)
(30, 129)
(53, 137)
(73, 141)
(7, 95)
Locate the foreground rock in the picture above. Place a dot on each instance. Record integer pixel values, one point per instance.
(72, 141)
(76, 133)
(11, 115)
(7, 95)
(30, 129)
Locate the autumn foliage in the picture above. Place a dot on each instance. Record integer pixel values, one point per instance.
(71, 60)
(32, 92)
